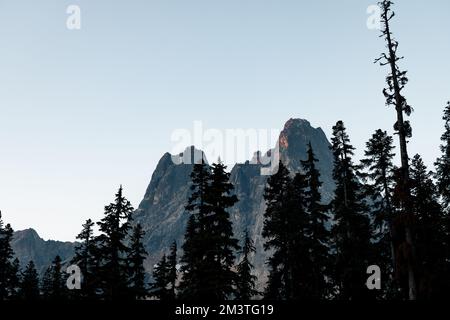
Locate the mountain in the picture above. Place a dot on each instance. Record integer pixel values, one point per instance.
(27, 245)
(162, 214)
(162, 211)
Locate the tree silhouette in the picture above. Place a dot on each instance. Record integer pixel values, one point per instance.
(47, 284)
(221, 257)
(113, 250)
(246, 282)
(396, 81)
(29, 285)
(14, 280)
(193, 285)
(85, 259)
(8, 273)
(317, 236)
(430, 233)
(209, 245)
(351, 230)
(172, 271)
(443, 183)
(274, 231)
(285, 229)
(380, 182)
(443, 163)
(54, 282)
(136, 258)
(160, 285)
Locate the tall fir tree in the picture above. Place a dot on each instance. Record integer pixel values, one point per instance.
(172, 274)
(193, 285)
(220, 229)
(246, 282)
(396, 81)
(113, 249)
(165, 276)
(29, 284)
(351, 230)
(317, 235)
(14, 280)
(54, 282)
(378, 174)
(136, 258)
(285, 230)
(443, 178)
(7, 271)
(160, 287)
(209, 244)
(85, 259)
(47, 284)
(443, 162)
(274, 231)
(430, 233)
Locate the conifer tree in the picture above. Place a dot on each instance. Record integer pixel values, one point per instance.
(172, 271)
(194, 283)
(159, 287)
(351, 230)
(285, 229)
(274, 231)
(84, 258)
(430, 233)
(165, 276)
(209, 244)
(246, 283)
(220, 229)
(443, 180)
(54, 282)
(317, 235)
(112, 249)
(29, 285)
(443, 163)
(396, 81)
(380, 183)
(14, 280)
(7, 272)
(136, 258)
(47, 284)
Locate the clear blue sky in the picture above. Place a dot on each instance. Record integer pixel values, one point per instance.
(82, 112)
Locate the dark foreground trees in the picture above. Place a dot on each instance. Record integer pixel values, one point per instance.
(8, 268)
(295, 231)
(209, 247)
(351, 232)
(246, 280)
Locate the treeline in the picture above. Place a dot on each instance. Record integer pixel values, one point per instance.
(111, 264)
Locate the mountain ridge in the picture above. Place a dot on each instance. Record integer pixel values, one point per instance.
(162, 210)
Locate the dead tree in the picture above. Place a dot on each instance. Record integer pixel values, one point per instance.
(396, 81)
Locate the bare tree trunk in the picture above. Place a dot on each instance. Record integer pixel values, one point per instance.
(391, 213)
(406, 201)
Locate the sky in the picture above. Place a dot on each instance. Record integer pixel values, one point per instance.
(83, 111)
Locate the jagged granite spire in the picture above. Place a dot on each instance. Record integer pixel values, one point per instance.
(162, 213)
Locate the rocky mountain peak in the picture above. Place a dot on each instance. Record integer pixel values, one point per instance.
(26, 235)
